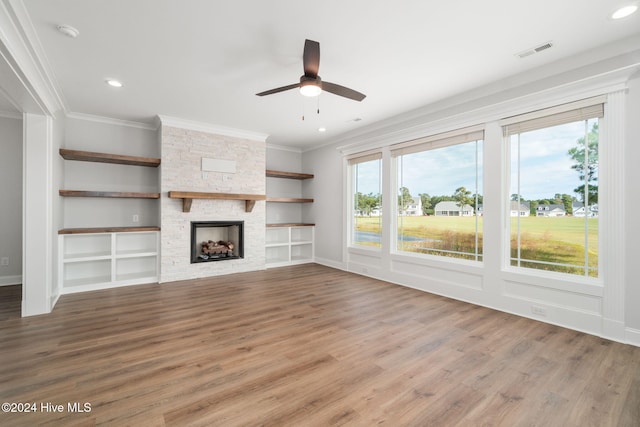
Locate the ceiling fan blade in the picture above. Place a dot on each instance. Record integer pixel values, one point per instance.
(311, 58)
(278, 89)
(343, 91)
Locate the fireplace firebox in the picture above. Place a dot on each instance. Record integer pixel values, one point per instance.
(216, 240)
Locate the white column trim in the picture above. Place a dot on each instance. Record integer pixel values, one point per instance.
(37, 215)
(611, 197)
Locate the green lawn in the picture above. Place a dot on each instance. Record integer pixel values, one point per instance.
(556, 240)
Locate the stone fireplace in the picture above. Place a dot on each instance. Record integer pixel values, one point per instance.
(239, 164)
(216, 240)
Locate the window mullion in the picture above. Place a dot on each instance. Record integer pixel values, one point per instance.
(586, 198)
(518, 193)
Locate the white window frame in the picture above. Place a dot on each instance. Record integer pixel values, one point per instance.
(540, 119)
(428, 143)
(350, 162)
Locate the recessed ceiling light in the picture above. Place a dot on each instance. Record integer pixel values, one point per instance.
(68, 31)
(322, 129)
(113, 83)
(624, 11)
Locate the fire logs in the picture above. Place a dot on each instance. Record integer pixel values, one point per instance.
(216, 248)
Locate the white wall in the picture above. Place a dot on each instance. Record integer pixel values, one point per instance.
(598, 308)
(327, 210)
(632, 230)
(11, 197)
(114, 138)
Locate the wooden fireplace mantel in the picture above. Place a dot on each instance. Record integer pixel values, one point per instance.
(188, 196)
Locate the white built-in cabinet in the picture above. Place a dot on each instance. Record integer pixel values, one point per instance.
(291, 243)
(288, 245)
(90, 261)
(105, 257)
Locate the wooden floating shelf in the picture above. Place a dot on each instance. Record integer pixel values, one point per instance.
(288, 200)
(106, 230)
(89, 156)
(291, 225)
(289, 175)
(115, 194)
(188, 196)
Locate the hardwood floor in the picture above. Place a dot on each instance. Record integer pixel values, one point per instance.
(10, 301)
(307, 346)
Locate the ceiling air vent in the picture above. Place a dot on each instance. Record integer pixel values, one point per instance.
(533, 50)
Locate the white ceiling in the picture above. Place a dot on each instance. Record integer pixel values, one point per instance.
(205, 60)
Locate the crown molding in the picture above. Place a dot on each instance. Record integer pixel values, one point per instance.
(34, 87)
(112, 121)
(284, 148)
(210, 128)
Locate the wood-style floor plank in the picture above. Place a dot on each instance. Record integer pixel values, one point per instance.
(305, 346)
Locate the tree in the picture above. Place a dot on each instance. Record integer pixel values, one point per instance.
(462, 197)
(587, 170)
(366, 203)
(426, 203)
(533, 207)
(516, 197)
(567, 201)
(404, 199)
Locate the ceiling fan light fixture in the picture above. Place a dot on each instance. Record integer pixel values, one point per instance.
(310, 89)
(624, 11)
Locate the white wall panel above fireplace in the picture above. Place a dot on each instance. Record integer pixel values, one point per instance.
(218, 165)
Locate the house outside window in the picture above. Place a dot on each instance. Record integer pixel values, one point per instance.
(443, 175)
(563, 235)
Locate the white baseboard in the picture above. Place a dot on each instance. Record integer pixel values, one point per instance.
(54, 300)
(10, 280)
(330, 263)
(632, 336)
(613, 330)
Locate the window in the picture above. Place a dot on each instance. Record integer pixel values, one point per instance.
(442, 177)
(554, 181)
(366, 227)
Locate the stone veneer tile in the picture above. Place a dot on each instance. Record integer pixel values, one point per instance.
(182, 152)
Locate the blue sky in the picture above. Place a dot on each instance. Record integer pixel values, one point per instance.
(544, 163)
(545, 166)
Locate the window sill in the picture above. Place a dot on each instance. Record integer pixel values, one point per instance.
(441, 262)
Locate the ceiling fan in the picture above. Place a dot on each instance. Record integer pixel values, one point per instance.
(310, 83)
